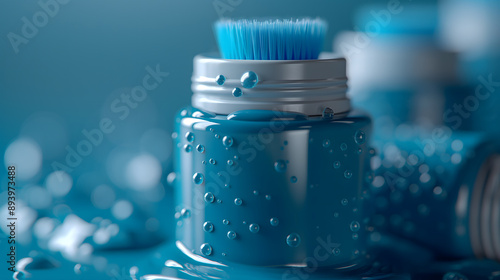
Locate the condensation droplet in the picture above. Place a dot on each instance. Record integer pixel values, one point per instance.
(328, 113)
(231, 234)
(227, 141)
(280, 166)
(189, 136)
(206, 249)
(220, 80)
(209, 197)
(208, 227)
(198, 178)
(359, 137)
(249, 79)
(200, 148)
(238, 201)
(293, 240)
(274, 222)
(237, 92)
(254, 228)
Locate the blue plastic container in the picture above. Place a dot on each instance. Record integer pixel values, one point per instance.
(274, 176)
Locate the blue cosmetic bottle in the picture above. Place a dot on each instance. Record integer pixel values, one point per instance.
(272, 175)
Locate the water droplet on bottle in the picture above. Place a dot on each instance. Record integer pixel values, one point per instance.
(220, 80)
(206, 249)
(208, 227)
(274, 222)
(293, 179)
(237, 92)
(200, 148)
(254, 228)
(293, 240)
(212, 161)
(336, 251)
(187, 148)
(231, 234)
(355, 236)
(189, 136)
(255, 192)
(360, 151)
(355, 253)
(238, 201)
(328, 113)
(185, 213)
(227, 141)
(230, 162)
(359, 137)
(348, 174)
(227, 186)
(280, 166)
(336, 164)
(268, 197)
(249, 79)
(326, 143)
(344, 201)
(198, 178)
(209, 197)
(217, 136)
(355, 226)
(343, 146)
(226, 222)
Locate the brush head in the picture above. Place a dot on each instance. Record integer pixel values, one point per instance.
(287, 39)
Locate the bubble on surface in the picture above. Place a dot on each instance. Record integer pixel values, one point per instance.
(143, 172)
(343, 147)
(348, 174)
(188, 148)
(189, 136)
(238, 201)
(212, 161)
(328, 113)
(274, 221)
(268, 197)
(326, 143)
(293, 179)
(209, 197)
(249, 79)
(59, 183)
(198, 178)
(230, 162)
(336, 164)
(237, 92)
(226, 222)
(208, 227)
(200, 148)
(206, 249)
(122, 209)
(231, 234)
(227, 141)
(280, 166)
(293, 240)
(220, 80)
(344, 201)
(355, 226)
(359, 137)
(254, 228)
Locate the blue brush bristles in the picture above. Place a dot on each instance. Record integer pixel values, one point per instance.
(287, 39)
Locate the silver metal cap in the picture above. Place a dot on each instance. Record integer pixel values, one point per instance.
(301, 86)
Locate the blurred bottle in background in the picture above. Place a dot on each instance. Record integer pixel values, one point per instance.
(436, 177)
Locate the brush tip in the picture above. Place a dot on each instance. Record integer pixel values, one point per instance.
(280, 39)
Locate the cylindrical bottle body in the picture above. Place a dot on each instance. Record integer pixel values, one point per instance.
(272, 188)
